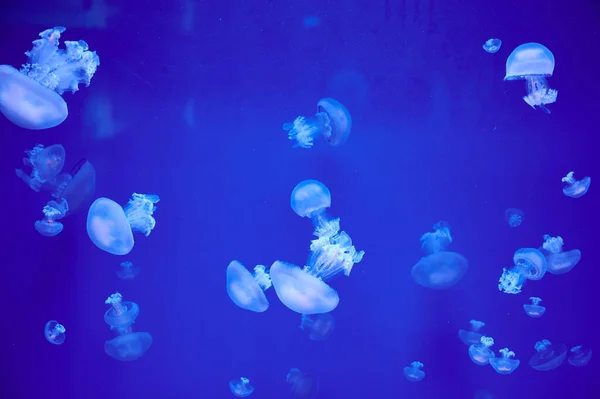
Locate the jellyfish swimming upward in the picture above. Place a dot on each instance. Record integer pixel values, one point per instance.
(481, 353)
(127, 271)
(53, 211)
(548, 356)
(530, 264)
(559, 262)
(534, 309)
(576, 188)
(46, 163)
(579, 356)
(245, 289)
(303, 386)
(505, 364)
(241, 387)
(413, 372)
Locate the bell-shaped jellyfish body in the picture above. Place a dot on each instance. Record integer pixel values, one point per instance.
(514, 217)
(530, 264)
(128, 347)
(319, 326)
(53, 211)
(54, 332)
(77, 187)
(505, 364)
(534, 309)
(332, 121)
(310, 198)
(247, 290)
(438, 240)
(111, 227)
(440, 270)
(576, 188)
(121, 314)
(492, 45)
(472, 336)
(30, 98)
(549, 356)
(241, 387)
(46, 164)
(303, 386)
(481, 353)
(559, 262)
(413, 372)
(127, 271)
(579, 356)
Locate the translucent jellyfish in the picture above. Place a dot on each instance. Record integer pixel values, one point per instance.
(481, 353)
(121, 314)
(413, 372)
(241, 388)
(46, 164)
(127, 271)
(440, 270)
(54, 332)
(129, 346)
(247, 290)
(30, 98)
(505, 364)
(534, 309)
(76, 187)
(492, 45)
(514, 217)
(53, 211)
(576, 188)
(310, 198)
(548, 356)
(559, 262)
(332, 121)
(579, 356)
(530, 264)
(111, 227)
(319, 326)
(303, 386)
(438, 240)
(472, 336)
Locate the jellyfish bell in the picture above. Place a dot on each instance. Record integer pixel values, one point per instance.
(339, 119)
(128, 347)
(579, 356)
(534, 309)
(413, 372)
(54, 332)
(473, 336)
(77, 187)
(108, 227)
(548, 356)
(303, 386)
(319, 326)
(244, 290)
(49, 161)
(563, 262)
(241, 387)
(121, 320)
(576, 188)
(505, 364)
(492, 45)
(537, 265)
(48, 227)
(440, 270)
(310, 197)
(481, 353)
(529, 59)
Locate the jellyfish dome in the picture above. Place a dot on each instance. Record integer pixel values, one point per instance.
(413, 372)
(128, 347)
(121, 314)
(576, 188)
(534, 309)
(481, 353)
(579, 356)
(492, 45)
(530, 264)
(472, 336)
(559, 262)
(505, 364)
(246, 290)
(319, 327)
(303, 386)
(529, 59)
(54, 332)
(78, 186)
(440, 270)
(549, 356)
(241, 387)
(309, 198)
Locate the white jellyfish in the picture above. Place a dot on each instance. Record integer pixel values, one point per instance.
(559, 262)
(530, 264)
(481, 353)
(413, 372)
(46, 164)
(53, 211)
(505, 364)
(534, 309)
(492, 45)
(576, 188)
(473, 336)
(245, 289)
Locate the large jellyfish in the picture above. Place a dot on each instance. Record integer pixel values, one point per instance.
(472, 336)
(514, 217)
(128, 346)
(332, 121)
(534, 63)
(579, 356)
(505, 364)
(492, 45)
(413, 372)
(247, 290)
(111, 227)
(576, 188)
(127, 271)
(530, 264)
(121, 314)
(49, 226)
(319, 326)
(303, 386)
(241, 387)
(559, 262)
(46, 164)
(534, 309)
(54, 332)
(549, 356)
(30, 97)
(481, 353)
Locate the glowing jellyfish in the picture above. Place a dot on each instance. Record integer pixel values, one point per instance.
(111, 227)
(534, 63)
(481, 353)
(534, 309)
(530, 264)
(53, 211)
(548, 356)
(303, 386)
(319, 326)
(576, 188)
(473, 336)
(310, 198)
(76, 187)
(30, 98)
(128, 347)
(514, 217)
(121, 314)
(332, 121)
(46, 164)
(127, 271)
(505, 364)
(579, 356)
(247, 290)
(438, 240)
(559, 262)
(413, 372)
(241, 388)
(492, 45)
(54, 332)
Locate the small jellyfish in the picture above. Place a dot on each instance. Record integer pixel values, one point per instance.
(241, 388)
(438, 240)
(247, 290)
(505, 364)
(76, 187)
(559, 262)
(534, 309)
(127, 271)
(319, 326)
(332, 121)
(514, 217)
(549, 356)
(54, 332)
(121, 314)
(530, 264)
(492, 45)
(53, 211)
(576, 188)
(413, 372)
(310, 198)
(46, 164)
(111, 227)
(128, 347)
(579, 356)
(303, 386)
(473, 336)
(481, 353)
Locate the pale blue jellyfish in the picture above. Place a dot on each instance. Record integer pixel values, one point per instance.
(303, 386)
(472, 336)
(576, 188)
(332, 121)
(127, 271)
(505, 364)
(534, 309)
(549, 356)
(121, 314)
(111, 227)
(514, 217)
(49, 226)
(579, 356)
(247, 290)
(492, 45)
(438, 240)
(76, 187)
(319, 326)
(128, 346)
(413, 372)
(481, 353)
(559, 262)
(241, 387)
(311, 198)
(530, 264)
(46, 164)
(30, 98)
(54, 332)
(533, 62)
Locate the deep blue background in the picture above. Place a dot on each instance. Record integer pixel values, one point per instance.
(437, 135)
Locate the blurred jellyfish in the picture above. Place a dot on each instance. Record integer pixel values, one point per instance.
(121, 314)
(530, 264)
(413, 372)
(534, 309)
(319, 326)
(241, 388)
(303, 386)
(54, 332)
(514, 217)
(576, 188)
(128, 346)
(548, 356)
(127, 271)
(111, 227)
(534, 63)
(30, 98)
(76, 187)
(483, 394)
(247, 290)
(579, 356)
(46, 164)
(437, 241)
(559, 262)
(481, 353)
(505, 364)
(492, 45)
(473, 336)
(53, 211)
(332, 121)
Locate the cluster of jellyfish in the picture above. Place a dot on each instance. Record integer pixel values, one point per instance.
(302, 385)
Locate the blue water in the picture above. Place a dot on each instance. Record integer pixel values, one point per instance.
(188, 103)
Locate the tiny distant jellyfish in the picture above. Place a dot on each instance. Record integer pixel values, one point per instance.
(534, 309)
(128, 347)
(483, 394)
(559, 262)
(576, 188)
(505, 364)
(53, 211)
(438, 240)
(127, 271)
(241, 388)
(332, 121)
(413, 372)
(549, 356)
(54, 332)
(46, 164)
(481, 353)
(311, 21)
(492, 45)
(121, 314)
(579, 356)
(303, 386)
(530, 264)
(514, 217)
(247, 290)
(31, 97)
(319, 326)
(473, 336)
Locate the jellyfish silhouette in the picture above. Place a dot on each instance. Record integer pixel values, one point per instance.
(121, 314)
(128, 347)
(413, 372)
(492, 45)
(78, 186)
(514, 217)
(481, 353)
(127, 271)
(247, 290)
(505, 364)
(530, 264)
(579, 356)
(319, 326)
(46, 163)
(438, 240)
(303, 386)
(549, 356)
(534, 309)
(54, 332)
(53, 211)
(241, 387)
(576, 188)
(559, 262)
(473, 336)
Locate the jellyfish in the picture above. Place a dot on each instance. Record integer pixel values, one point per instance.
(533, 62)
(129, 346)
(319, 326)
(111, 227)
(53, 211)
(534, 309)
(505, 364)
(31, 97)
(492, 45)
(310, 198)
(241, 388)
(579, 356)
(530, 264)
(303, 386)
(413, 372)
(548, 356)
(46, 164)
(127, 271)
(76, 187)
(332, 121)
(54, 332)
(514, 217)
(576, 188)
(247, 290)
(438, 240)
(473, 336)
(481, 353)
(121, 314)
(559, 262)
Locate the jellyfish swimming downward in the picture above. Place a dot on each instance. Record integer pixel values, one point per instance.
(576, 188)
